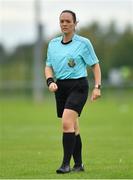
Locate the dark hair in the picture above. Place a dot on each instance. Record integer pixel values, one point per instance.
(72, 13)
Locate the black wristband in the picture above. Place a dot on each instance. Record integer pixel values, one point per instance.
(49, 81)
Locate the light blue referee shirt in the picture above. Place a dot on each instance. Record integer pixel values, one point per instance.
(69, 61)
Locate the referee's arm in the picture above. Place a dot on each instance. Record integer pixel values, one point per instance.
(48, 72)
(96, 93)
(97, 74)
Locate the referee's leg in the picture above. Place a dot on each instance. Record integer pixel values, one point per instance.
(68, 122)
(76, 127)
(77, 152)
(69, 119)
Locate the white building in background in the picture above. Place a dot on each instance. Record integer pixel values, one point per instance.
(115, 77)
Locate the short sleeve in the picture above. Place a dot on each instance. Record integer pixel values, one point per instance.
(48, 60)
(88, 54)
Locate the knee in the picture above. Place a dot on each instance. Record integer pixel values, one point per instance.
(68, 120)
(67, 127)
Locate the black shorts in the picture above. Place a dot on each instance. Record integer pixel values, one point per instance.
(71, 94)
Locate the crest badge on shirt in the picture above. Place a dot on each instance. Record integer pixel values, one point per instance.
(71, 63)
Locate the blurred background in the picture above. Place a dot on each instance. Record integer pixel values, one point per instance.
(26, 26)
(29, 130)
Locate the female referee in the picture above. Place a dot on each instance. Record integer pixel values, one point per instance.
(67, 59)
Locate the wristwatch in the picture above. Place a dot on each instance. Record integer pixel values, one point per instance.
(97, 86)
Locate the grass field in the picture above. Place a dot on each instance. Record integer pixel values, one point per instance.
(30, 138)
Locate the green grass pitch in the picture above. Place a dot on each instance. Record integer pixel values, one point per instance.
(30, 138)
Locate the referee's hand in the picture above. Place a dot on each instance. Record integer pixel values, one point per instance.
(96, 93)
(53, 87)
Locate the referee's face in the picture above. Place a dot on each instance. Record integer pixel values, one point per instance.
(67, 23)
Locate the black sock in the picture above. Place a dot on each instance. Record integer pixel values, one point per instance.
(68, 146)
(77, 153)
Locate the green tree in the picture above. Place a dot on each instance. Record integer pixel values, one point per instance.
(123, 50)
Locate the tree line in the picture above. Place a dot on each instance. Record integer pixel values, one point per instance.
(113, 47)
